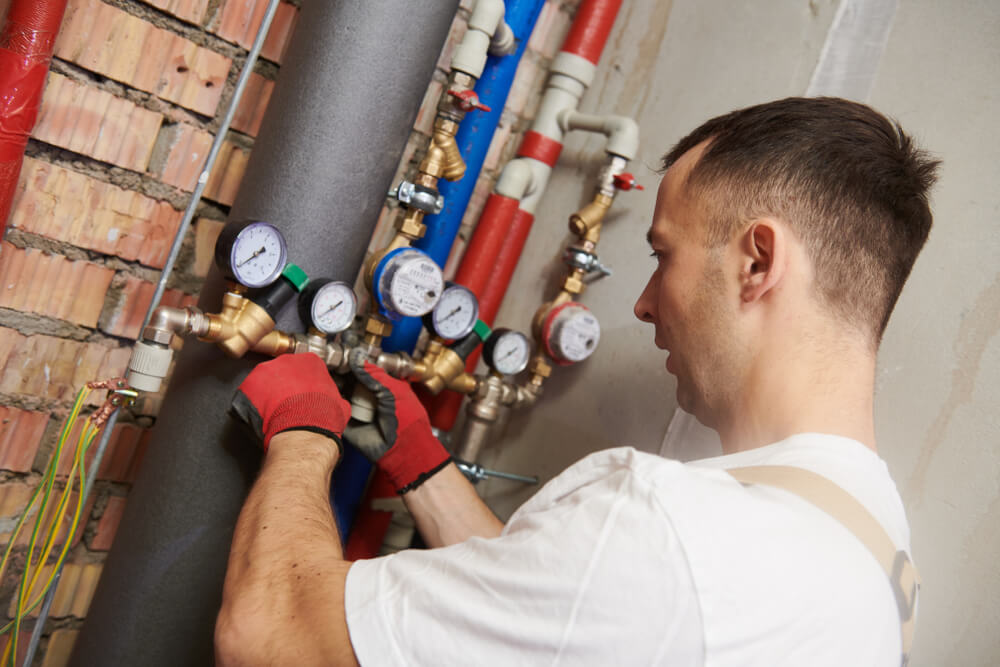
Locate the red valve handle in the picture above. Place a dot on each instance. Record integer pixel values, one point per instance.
(626, 181)
(468, 100)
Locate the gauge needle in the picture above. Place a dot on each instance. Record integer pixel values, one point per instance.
(454, 312)
(509, 353)
(332, 308)
(263, 249)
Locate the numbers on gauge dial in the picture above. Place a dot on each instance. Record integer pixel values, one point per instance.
(510, 353)
(333, 307)
(455, 315)
(258, 255)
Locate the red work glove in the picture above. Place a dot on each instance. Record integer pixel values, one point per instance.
(399, 441)
(292, 392)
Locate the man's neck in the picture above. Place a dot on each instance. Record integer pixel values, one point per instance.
(827, 389)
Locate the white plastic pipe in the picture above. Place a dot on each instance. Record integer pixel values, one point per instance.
(485, 23)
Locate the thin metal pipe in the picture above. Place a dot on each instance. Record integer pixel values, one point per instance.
(213, 153)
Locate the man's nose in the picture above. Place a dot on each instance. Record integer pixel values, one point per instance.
(642, 307)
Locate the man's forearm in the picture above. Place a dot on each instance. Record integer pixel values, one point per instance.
(447, 509)
(283, 600)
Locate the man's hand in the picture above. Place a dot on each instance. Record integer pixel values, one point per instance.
(399, 441)
(292, 392)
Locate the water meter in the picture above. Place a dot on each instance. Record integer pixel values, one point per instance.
(252, 253)
(407, 283)
(507, 351)
(570, 333)
(455, 314)
(329, 305)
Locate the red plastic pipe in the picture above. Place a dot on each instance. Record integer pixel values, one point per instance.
(591, 28)
(479, 260)
(27, 38)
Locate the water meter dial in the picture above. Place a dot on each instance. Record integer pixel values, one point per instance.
(570, 333)
(252, 253)
(328, 305)
(455, 314)
(507, 351)
(408, 283)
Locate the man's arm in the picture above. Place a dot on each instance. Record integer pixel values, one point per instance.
(447, 509)
(283, 599)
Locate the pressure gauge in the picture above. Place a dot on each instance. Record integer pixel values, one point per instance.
(507, 351)
(252, 253)
(407, 283)
(328, 305)
(455, 314)
(570, 333)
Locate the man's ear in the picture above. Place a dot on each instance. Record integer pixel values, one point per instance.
(763, 258)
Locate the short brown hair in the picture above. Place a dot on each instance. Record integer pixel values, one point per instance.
(847, 179)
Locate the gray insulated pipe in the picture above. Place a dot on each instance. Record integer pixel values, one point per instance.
(335, 129)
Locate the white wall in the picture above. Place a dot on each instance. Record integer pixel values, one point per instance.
(673, 65)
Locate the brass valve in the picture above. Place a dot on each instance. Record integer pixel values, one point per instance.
(441, 367)
(586, 223)
(239, 326)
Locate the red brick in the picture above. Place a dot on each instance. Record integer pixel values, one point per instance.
(125, 444)
(109, 41)
(52, 285)
(550, 30)
(75, 590)
(189, 146)
(59, 648)
(192, 11)
(140, 454)
(240, 20)
(131, 305)
(68, 206)
(498, 147)
(527, 83)
(14, 498)
(96, 123)
(108, 524)
(250, 111)
(55, 368)
(424, 122)
(20, 434)
(205, 235)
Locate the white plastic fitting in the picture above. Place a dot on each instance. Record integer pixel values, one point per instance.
(503, 42)
(524, 179)
(484, 23)
(148, 365)
(622, 132)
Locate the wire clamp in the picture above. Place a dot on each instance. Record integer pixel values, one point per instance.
(119, 394)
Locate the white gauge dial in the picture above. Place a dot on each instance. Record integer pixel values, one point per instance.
(509, 353)
(258, 255)
(333, 307)
(455, 314)
(572, 333)
(411, 283)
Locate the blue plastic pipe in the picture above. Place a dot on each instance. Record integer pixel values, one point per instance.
(473, 138)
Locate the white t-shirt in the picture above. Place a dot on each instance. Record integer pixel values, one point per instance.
(631, 559)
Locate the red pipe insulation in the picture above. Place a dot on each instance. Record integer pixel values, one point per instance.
(591, 28)
(476, 269)
(27, 38)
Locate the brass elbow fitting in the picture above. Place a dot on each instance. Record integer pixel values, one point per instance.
(239, 326)
(586, 223)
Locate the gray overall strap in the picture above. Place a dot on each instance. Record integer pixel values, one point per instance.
(846, 509)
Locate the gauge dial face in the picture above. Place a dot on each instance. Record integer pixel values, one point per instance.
(511, 352)
(573, 334)
(411, 284)
(456, 313)
(333, 307)
(258, 255)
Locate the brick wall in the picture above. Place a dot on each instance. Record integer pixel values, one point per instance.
(131, 105)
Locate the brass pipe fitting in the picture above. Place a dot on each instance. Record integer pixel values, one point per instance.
(586, 223)
(443, 159)
(275, 343)
(239, 326)
(376, 328)
(412, 226)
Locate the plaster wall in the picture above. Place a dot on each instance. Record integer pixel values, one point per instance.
(674, 64)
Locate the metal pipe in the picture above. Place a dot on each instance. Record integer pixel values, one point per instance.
(331, 138)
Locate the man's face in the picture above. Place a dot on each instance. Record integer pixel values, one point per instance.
(689, 301)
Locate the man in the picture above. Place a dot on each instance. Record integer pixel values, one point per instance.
(782, 236)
